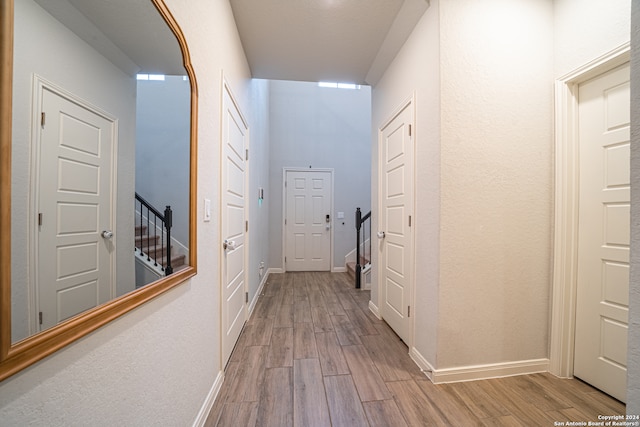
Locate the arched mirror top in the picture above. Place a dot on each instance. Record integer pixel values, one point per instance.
(106, 53)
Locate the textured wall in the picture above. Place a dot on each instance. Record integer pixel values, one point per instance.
(585, 29)
(416, 70)
(323, 128)
(481, 73)
(496, 174)
(155, 365)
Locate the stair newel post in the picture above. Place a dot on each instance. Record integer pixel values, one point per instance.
(168, 221)
(358, 266)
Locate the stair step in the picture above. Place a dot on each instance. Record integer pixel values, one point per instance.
(351, 269)
(176, 260)
(140, 229)
(146, 241)
(155, 251)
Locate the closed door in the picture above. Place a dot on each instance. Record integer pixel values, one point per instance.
(308, 220)
(396, 185)
(75, 196)
(234, 172)
(603, 235)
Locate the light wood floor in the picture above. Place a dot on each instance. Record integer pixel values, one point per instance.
(312, 354)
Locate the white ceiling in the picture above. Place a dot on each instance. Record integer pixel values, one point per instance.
(349, 41)
(130, 33)
(324, 40)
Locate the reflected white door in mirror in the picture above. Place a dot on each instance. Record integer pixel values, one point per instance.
(68, 171)
(74, 263)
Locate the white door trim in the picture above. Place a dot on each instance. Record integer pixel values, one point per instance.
(284, 210)
(409, 102)
(565, 261)
(41, 84)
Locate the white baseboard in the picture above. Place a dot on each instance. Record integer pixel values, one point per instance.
(254, 300)
(374, 309)
(494, 370)
(273, 270)
(478, 372)
(209, 401)
(422, 363)
(339, 270)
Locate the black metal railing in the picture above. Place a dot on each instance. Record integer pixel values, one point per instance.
(361, 223)
(158, 228)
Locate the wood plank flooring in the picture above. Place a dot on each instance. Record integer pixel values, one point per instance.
(312, 354)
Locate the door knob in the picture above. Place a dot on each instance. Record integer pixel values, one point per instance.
(380, 234)
(229, 244)
(107, 234)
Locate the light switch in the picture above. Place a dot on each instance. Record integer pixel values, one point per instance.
(207, 210)
(340, 215)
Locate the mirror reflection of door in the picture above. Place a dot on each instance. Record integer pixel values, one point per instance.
(83, 50)
(75, 222)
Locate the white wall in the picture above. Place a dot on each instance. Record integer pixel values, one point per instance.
(323, 128)
(586, 29)
(155, 365)
(482, 78)
(45, 47)
(496, 181)
(259, 246)
(482, 74)
(633, 350)
(162, 148)
(416, 70)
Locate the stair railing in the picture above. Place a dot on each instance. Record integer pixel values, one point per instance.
(154, 221)
(360, 224)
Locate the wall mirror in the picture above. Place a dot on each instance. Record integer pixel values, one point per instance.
(97, 167)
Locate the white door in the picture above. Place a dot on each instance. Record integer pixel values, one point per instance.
(74, 202)
(234, 172)
(603, 234)
(308, 220)
(396, 199)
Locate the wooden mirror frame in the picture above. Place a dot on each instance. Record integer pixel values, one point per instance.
(18, 356)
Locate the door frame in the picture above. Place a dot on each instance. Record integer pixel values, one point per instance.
(565, 255)
(226, 87)
(39, 85)
(284, 211)
(410, 103)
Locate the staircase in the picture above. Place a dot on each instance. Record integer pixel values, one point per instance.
(362, 266)
(351, 266)
(153, 251)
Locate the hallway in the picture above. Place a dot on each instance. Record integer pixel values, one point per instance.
(312, 354)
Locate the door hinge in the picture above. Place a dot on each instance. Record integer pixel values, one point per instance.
(408, 311)
(246, 297)
(246, 154)
(43, 118)
(40, 317)
(409, 130)
(285, 221)
(246, 226)
(409, 220)
(285, 260)
(39, 219)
